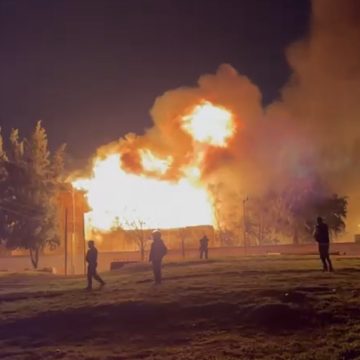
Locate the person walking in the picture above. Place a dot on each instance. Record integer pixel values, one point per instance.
(157, 252)
(321, 235)
(91, 259)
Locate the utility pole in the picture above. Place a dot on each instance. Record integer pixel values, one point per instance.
(83, 230)
(245, 223)
(73, 237)
(66, 241)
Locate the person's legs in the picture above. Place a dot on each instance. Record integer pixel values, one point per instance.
(322, 252)
(206, 253)
(98, 278)
(201, 253)
(327, 257)
(330, 264)
(90, 273)
(157, 271)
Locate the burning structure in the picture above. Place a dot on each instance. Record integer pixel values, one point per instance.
(156, 183)
(215, 156)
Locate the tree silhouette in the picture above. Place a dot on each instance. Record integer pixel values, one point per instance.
(29, 183)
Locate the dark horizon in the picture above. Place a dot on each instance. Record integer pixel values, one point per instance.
(91, 70)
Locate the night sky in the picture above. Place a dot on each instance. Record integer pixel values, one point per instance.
(91, 69)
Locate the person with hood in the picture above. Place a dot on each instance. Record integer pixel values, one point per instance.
(157, 252)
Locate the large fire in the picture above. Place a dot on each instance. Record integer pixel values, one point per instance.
(118, 197)
(209, 124)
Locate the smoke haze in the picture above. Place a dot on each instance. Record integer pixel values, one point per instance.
(312, 131)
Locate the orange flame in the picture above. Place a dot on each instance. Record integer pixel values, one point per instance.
(153, 164)
(209, 124)
(115, 195)
(118, 196)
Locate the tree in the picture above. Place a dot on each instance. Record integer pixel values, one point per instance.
(333, 208)
(30, 182)
(227, 216)
(292, 212)
(138, 233)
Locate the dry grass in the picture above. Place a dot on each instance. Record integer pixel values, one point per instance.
(244, 308)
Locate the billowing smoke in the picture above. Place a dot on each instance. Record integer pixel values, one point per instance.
(322, 98)
(167, 137)
(312, 131)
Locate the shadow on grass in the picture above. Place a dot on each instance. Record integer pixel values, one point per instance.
(161, 324)
(18, 296)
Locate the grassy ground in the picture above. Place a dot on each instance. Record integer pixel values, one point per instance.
(233, 308)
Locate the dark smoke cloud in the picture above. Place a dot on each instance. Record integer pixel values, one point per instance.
(322, 98)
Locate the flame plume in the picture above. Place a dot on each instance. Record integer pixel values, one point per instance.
(117, 195)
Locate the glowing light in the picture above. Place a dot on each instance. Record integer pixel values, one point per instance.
(153, 164)
(209, 124)
(117, 196)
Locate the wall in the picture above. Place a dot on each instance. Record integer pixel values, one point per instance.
(20, 263)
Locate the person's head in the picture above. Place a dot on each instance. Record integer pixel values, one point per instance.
(319, 220)
(91, 244)
(156, 234)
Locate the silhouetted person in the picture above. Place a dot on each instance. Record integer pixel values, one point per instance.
(204, 247)
(91, 259)
(321, 235)
(157, 252)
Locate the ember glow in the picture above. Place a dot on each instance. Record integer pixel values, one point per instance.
(118, 196)
(209, 124)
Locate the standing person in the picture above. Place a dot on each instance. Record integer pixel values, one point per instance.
(91, 259)
(157, 252)
(321, 235)
(204, 247)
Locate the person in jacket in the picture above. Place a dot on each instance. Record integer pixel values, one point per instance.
(91, 259)
(157, 252)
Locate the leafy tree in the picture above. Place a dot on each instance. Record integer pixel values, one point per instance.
(29, 186)
(306, 200)
(293, 212)
(333, 209)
